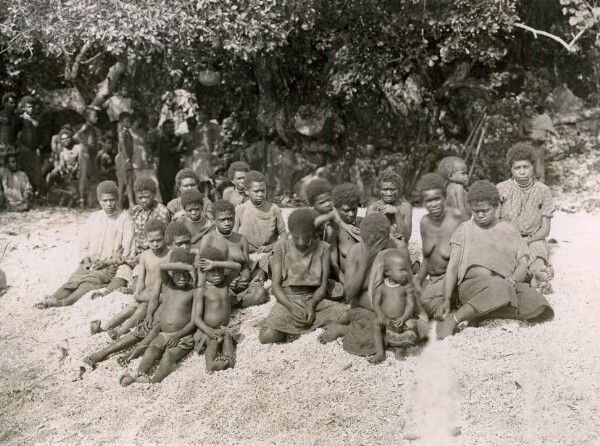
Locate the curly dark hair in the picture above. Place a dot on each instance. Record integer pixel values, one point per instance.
(212, 253)
(176, 229)
(450, 165)
(389, 176)
(107, 187)
(180, 254)
(315, 188)
(237, 166)
(302, 221)
(185, 173)
(483, 190)
(191, 196)
(155, 225)
(431, 181)
(254, 176)
(520, 152)
(375, 227)
(145, 184)
(346, 193)
(222, 206)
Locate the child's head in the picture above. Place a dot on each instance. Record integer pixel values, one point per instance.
(214, 275)
(154, 230)
(224, 216)
(484, 198)
(318, 194)
(66, 137)
(186, 179)
(521, 159)
(92, 114)
(178, 235)
(528, 110)
(256, 187)
(375, 229)
(108, 193)
(346, 199)
(192, 202)
(125, 120)
(395, 267)
(301, 224)
(453, 169)
(389, 184)
(27, 104)
(237, 174)
(12, 161)
(432, 190)
(145, 192)
(181, 279)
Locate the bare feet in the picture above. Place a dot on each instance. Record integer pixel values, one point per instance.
(95, 327)
(46, 303)
(127, 379)
(446, 327)
(113, 334)
(219, 363)
(125, 290)
(89, 361)
(377, 358)
(331, 333)
(123, 360)
(100, 293)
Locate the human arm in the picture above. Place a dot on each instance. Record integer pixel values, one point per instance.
(154, 300)
(180, 266)
(141, 280)
(245, 273)
(409, 308)
(296, 311)
(541, 233)
(407, 211)
(324, 218)
(355, 273)
(230, 265)
(198, 314)
(281, 230)
(320, 293)
(450, 280)
(331, 236)
(377, 298)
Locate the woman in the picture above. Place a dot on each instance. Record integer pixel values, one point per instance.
(488, 262)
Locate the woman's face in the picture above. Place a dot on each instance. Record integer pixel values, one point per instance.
(188, 184)
(522, 171)
(484, 214)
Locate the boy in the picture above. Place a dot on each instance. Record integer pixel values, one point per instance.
(146, 209)
(69, 154)
(437, 226)
(454, 171)
(195, 220)
(235, 247)
(175, 339)
(527, 204)
(124, 159)
(212, 310)
(319, 195)
(236, 194)
(261, 222)
(397, 210)
(187, 179)
(176, 236)
(15, 185)
(300, 269)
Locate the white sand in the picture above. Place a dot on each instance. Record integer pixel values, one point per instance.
(502, 384)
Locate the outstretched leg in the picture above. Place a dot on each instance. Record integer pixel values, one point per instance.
(379, 355)
(214, 361)
(121, 344)
(134, 318)
(168, 361)
(228, 352)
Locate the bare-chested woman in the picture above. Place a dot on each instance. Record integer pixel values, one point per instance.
(436, 229)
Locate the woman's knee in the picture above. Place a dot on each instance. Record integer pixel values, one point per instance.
(267, 335)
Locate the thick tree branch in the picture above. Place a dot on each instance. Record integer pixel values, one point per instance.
(569, 46)
(77, 62)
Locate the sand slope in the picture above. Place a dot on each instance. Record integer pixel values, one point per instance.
(502, 384)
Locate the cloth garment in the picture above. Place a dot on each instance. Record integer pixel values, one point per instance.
(161, 339)
(103, 236)
(15, 186)
(199, 339)
(98, 278)
(352, 230)
(140, 216)
(148, 173)
(233, 196)
(174, 206)
(432, 296)
(198, 229)
(300, 269)
(261, 225)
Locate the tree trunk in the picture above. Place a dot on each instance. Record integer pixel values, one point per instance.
(109, 84)
(64, 99)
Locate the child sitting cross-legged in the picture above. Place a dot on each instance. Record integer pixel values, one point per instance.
(212, 309)
(300, 269)
(175, 339)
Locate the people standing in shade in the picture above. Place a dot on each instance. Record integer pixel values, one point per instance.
(10, 123)
(89, 136)
(28, 143)
(167, 149)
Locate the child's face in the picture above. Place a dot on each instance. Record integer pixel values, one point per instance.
(238, 180)
(13, 164)
(484, 214)
(155, 240)
(126, 123)
(348, 213)
(182, 241)
(216, 276)
(434, 201)
(323, 203)
(528, 111)
(302, 241)
(389, 192)
(188, 184)
(194, 211)
(66, 139)
(92, 116)
(108, 202)
(257, 192)
(28, 108)
(145, 198)
(522, 171)
(180, 278)
(395, 269)
(224, 221)
(460, 175)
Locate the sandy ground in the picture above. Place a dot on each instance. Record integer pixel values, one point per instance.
(502, 384)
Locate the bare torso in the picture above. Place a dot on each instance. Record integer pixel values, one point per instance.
(393, 301)
(217, 306)
(151, 262)
(176, 308)
(436, 236)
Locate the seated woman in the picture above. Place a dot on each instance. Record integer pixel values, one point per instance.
(488, 262)
(393, 206)
(300, 268)
(527, 204)
(107, 239)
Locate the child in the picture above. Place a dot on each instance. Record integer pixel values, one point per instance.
(454, 170)
(175, 339)
(397, 210)
(236, 173)
(319, 195)
(146, 209)
(212, 310)
(124, 159)
(69, 153)
(261, 222)
(147, 281)
(526, 203)
(235, 247)
(15, 185)
(176, 236)
(300, 268)
(195, 220)
(186, 179)
(393, 303)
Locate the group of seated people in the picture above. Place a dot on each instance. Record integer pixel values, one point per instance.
(484, 255)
